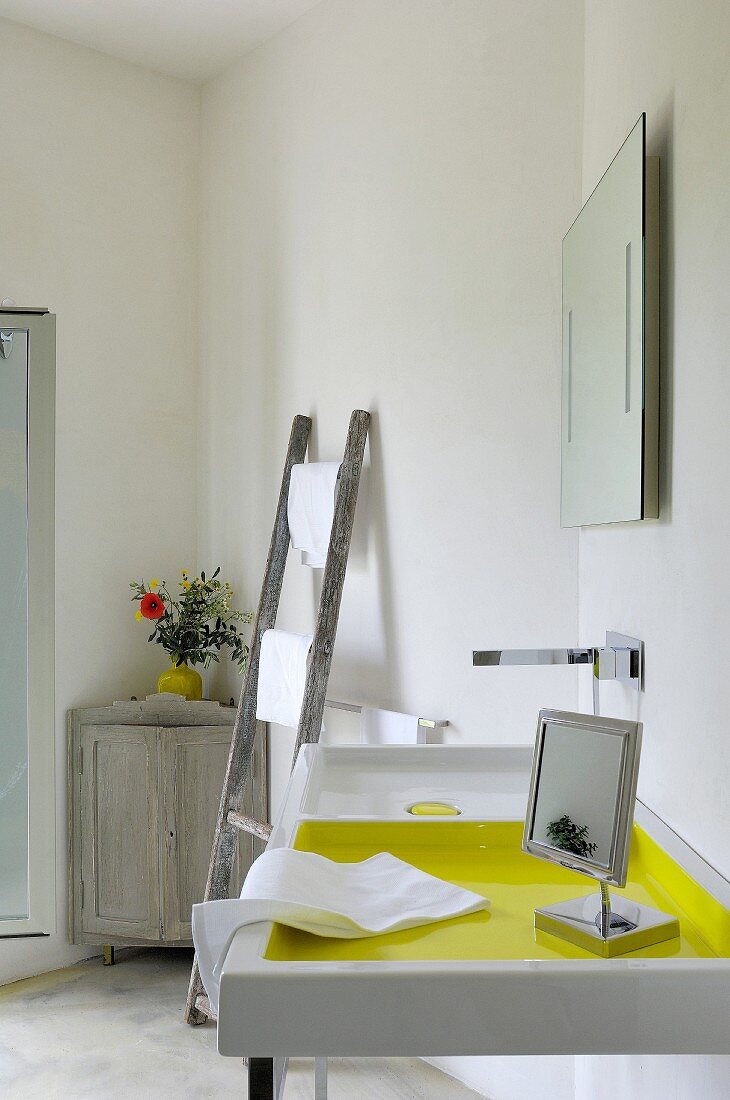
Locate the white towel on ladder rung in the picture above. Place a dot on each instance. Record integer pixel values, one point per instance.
(311, 509)
(282, 676)
(388, 727)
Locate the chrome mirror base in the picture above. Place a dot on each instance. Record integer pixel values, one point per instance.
(606, 928)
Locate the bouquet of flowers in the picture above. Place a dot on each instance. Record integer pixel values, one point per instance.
(193, 626)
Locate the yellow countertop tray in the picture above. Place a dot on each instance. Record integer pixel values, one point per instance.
(486, 857)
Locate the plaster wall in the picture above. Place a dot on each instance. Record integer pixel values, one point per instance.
(665, 581)
(98, 221)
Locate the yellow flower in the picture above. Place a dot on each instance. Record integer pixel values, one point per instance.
(185, 585)
(138, 616)
(154, 584)
(183, 573)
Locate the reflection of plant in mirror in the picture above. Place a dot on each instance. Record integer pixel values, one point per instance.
(569, 837)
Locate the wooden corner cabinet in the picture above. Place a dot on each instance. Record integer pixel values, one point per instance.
(145, 781)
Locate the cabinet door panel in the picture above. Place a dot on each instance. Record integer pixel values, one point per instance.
(119, 831)
(194, 763)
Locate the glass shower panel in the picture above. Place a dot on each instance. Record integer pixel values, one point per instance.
(14, 629)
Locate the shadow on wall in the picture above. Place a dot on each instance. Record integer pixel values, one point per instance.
(374, 518)
(369, 569)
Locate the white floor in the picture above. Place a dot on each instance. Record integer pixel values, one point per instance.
(110, 1032)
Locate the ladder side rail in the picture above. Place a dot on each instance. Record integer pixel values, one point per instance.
(348, 483)
(245, 726)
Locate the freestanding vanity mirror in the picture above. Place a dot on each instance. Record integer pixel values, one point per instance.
(610, 389)
(580, 814)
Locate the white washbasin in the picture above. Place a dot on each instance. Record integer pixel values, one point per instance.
(664, 1000)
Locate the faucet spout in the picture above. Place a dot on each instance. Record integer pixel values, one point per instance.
(620, 659)
(485, 658)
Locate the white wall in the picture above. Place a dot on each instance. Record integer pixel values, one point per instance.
(667, 581)
(98, 220)
(385, 188)
(371, 238)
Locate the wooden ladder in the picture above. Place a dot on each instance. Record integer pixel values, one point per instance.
(231, 818)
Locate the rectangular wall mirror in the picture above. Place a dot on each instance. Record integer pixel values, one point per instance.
(610, 388)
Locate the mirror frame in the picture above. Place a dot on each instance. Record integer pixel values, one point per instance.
(630, 734)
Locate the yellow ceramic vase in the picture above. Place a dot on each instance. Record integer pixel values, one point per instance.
(181, 680)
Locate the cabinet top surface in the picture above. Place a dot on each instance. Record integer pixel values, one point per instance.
(163, 708)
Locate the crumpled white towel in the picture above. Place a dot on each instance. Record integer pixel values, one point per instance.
(282, 676)
(346, 900)
(388, 727)
(311, 509)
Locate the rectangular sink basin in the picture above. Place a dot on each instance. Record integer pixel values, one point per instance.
(486, 983)
(348, 781)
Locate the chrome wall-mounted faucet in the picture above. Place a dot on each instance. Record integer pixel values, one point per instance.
(620, 659)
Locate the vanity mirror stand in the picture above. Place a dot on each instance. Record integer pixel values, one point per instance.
(580, 815)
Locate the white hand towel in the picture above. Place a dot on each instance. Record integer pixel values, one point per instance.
(311, 509)
(387, 727)
(282, 676)
(345, 900)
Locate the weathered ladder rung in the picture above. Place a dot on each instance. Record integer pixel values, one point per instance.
(203, 1005)
(247, 824)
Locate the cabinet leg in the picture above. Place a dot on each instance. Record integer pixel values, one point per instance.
(261, 1079)
(320, 1079)
(108, 955)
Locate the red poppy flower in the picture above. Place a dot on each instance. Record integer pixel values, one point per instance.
(151, 606)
